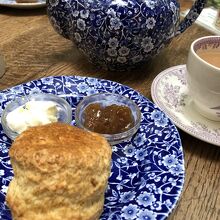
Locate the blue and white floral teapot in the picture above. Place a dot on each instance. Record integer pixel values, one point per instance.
(119, 34)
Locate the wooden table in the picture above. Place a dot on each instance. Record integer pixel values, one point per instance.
(32, 49)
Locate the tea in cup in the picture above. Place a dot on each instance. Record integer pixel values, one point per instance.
(203, 76)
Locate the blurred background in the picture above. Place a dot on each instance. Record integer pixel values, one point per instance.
(210, 16)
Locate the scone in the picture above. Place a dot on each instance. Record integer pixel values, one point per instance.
(60, 173)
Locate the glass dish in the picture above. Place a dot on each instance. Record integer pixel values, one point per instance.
(63, 108)
(106, 99)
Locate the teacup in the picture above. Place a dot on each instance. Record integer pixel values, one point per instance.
(203, 76)
(2, 65)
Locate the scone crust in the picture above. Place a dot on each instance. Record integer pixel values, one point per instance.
(60, 172)
(41, 147)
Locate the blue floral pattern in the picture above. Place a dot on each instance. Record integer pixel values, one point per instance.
(120, 34)
(147, 173)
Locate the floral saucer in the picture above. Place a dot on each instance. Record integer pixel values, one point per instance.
(14, 4)
(170, 92)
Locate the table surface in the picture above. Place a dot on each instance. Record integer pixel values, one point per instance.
(32, 49)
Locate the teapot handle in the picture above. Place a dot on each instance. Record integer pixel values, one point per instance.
(191, 17)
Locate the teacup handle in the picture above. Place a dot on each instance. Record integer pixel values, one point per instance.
(192, 15)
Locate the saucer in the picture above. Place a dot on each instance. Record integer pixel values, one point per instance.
(170, 92)
(14, 4)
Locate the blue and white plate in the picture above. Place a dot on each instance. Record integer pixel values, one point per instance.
(14, 4)
(147, 172)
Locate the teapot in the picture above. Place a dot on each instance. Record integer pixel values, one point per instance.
(120, 34)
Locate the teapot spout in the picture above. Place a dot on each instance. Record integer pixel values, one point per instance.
(58, 15)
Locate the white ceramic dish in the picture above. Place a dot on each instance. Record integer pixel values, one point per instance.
(169, 91)
(14, 4)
